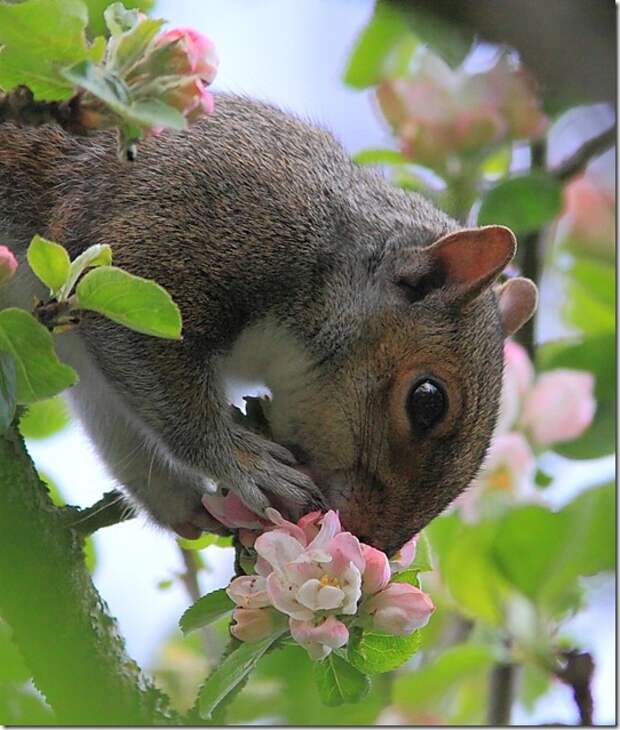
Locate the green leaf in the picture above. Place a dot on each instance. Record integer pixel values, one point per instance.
(8, 387)
(206, 610)
(590, 302)
(596, 354)
(534, 684)
(44, 418)
(379, 157)
(129, 47)
(98, 255)
(425, 686)
(422, 561)
(96, 8)
(205, 541)
(374, 653)
(524, 203)
(231, 672)
(384, 48)
(49, 261)
(154, 113)
(339, 682)
(40, 37)
(137, 303)
(407, 576)
(39, 373)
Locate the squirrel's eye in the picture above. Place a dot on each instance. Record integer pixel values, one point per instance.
(426, 405)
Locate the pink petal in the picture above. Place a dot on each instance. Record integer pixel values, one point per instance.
(405, 556)
(278, 548)
(377, 572)
(319, 640)
(289, 527)
(330, 527)
(283, 597)
(249, 591)
(400, 609)
(344, 549)
(252, 624)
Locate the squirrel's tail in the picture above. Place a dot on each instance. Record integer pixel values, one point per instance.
(31, 164)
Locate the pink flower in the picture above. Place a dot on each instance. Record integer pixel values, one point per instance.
(231, 511)
(400, 609)
(560, 406)
(518, 376)
(8, 264)
(589, 217)
(405, 556)
(191, 98)
(194, 53)
(319, 639)
(509, 465)
(377, 571)
(438, 111)
(253, 624)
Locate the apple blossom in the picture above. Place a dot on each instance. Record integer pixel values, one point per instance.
(560, 406)
(400, 609)
(231, 512)
(253, 624)
(194, 53)
(8, 264)
(319, 639)
(518, 376)
(405, 556)
(377, 571)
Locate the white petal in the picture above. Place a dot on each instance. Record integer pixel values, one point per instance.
(278, 548)
(308, 594)
(282, 595)
(330, 597)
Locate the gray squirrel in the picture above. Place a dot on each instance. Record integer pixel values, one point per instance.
(374, 319)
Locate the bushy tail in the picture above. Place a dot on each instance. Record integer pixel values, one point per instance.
(31, 164)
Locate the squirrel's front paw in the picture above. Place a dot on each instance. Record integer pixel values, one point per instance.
(265, 475)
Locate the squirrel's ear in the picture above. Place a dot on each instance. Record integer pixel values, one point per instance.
(517, 300)
(472, 258)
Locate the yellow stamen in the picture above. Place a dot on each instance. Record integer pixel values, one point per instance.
(327, 581)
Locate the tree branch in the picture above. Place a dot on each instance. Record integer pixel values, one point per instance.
(501, 693)
(58, 620)
(593, 147)
(577, 674)
(19, 106)
(109, 510)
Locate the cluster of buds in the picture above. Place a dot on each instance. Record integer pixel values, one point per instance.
(438, 112)
(323, 581)
(536, 412)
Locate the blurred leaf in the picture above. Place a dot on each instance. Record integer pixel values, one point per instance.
(384, 48)
(231, 672)
(422, 561)
(39, 373)
(470, 574)
(137, 303)
(8, 390)
(407, 576)
(206, 610)
(339, 682)
(596, 354)
(205, 541)
(40, 37)
(591, 294)
(497, 163)
(421, 687)
(49, 261)
(44, 418)
(534, 684)
(542, 479)
(90, 555)
(524, 203)
(542, 553)
(97, 255)
(126, 48)
(373, 156)
(163, 585)
(373, 653)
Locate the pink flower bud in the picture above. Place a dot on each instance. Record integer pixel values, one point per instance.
(249, 591)
(404, 557)
(400, 609)
(8, 264)
(518, 376)
(377, 572)
(252, 624)
(191, 98)
(560, 406)
(319, 639)
(194, 53)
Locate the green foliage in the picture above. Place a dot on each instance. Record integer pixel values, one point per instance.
(44, 418)
(50, 262)
(8, 387)
(206, 610)
(205, 541)
(339, 682)
(591, 300)
(137, 303)
(97, 255)
(40, 37)
(375, 156)
(524, 203)
(373, 652)
(39, 373)
(233, 670)
(96, 22)
(384, 48)
(595, 354)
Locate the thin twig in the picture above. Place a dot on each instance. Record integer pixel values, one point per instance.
(109, 510)
(577, 674)
(20, 107)
(593, 147)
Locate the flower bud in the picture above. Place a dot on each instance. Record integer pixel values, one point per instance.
(405, 556)
(377, 571)
(252, 624)
(400, 609)
(194, 53)
(8, 264)
(320, 639)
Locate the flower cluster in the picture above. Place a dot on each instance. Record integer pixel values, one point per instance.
(536, 412)
(437, 111)
(324, 581)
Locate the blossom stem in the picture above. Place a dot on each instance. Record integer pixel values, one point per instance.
(19, 106)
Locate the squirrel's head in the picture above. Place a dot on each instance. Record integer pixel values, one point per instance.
(398, 421)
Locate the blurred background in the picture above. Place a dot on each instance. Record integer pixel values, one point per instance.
(459, 121)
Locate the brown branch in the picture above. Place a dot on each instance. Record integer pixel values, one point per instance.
(109, 510)
(577, 674)
(501, 693)
(59, 622)
(20, 107)
(593, 147)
